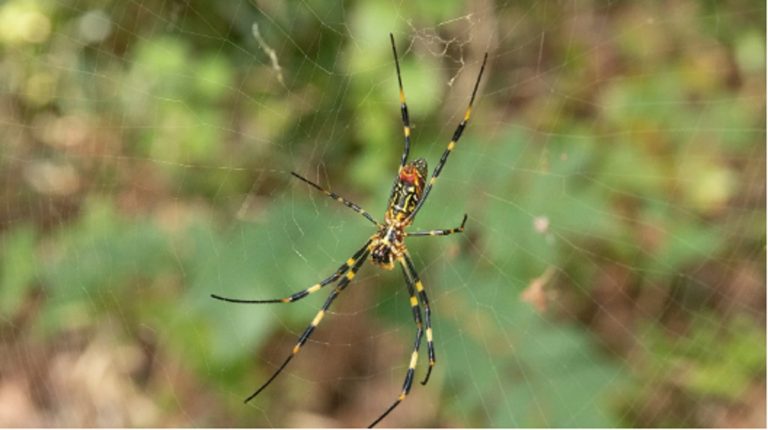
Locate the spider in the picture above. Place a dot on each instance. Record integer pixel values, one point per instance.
(386, 246)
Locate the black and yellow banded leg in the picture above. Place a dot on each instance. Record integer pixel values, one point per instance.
(459, 229)
(414, 301)
(403, 111)
(451, 144)
(339, 199)
(403, 106)
(315, 322)
(408, 383)
(303, 293)
(427, 315)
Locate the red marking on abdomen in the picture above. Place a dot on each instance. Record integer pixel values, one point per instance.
(412, 177)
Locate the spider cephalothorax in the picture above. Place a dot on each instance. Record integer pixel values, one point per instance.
(387, 246)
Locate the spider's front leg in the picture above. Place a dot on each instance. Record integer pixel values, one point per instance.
(427, 314)
(316, 321)
(408, 383)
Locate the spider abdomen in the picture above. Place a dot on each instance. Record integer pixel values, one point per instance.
(407, 192)
(386, 246)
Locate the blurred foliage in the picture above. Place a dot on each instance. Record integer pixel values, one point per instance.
(696, 371)
(613, 174)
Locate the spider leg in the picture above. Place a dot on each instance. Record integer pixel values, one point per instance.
(304, 293)
(315, 322)
(451, 144)
(427, 315)
(403, 111)
(339, 199)
(416, 345)
(403, 106)
(459, 229)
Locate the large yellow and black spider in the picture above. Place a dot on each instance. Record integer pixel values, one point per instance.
(409, 192)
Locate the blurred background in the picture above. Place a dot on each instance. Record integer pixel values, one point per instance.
(613, 268)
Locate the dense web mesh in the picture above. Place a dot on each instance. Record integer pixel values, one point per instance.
(612, 272)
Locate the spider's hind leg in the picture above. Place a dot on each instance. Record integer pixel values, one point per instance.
(452, 143)
(403, 106)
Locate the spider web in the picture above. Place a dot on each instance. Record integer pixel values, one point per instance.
(613, 268)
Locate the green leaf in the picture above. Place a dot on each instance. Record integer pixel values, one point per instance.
(18, 268)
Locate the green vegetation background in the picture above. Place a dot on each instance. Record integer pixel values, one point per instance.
(613, 268)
